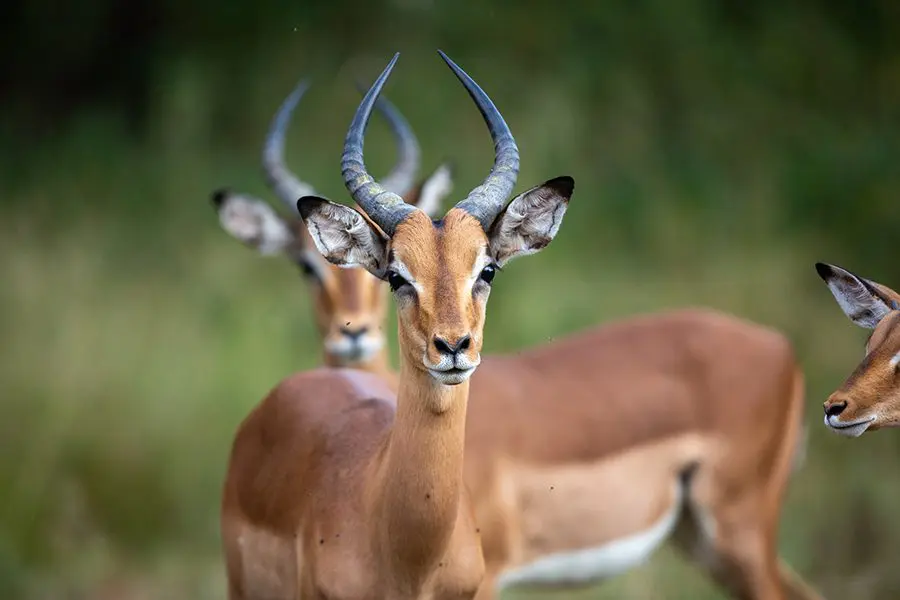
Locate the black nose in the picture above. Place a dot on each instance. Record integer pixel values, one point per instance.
(445, 347)
(354, 334)
(833, 410)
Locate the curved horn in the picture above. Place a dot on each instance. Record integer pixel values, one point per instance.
(487, 200)
(402, 177)
(285, 184)
(385, 208)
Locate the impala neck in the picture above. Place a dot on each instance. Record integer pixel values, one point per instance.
(418, 477)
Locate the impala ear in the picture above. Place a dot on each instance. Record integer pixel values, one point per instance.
(252, 222)
(864, 302)
(343, 236)
(530, 221)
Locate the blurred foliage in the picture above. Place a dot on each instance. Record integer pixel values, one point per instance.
(719, 149)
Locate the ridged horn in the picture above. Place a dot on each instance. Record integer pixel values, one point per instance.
(487, 200)
(402, 177)
(385, 208)
(287, 186)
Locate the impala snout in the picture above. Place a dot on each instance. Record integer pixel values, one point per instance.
(844, 418)
(455, 347)
(451, 358)
(354, 333)
(353, 340)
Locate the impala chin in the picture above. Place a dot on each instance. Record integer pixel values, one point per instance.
(854, 428)
(453, 370)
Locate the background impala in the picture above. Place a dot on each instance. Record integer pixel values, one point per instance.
(350, 304)
(720, 150)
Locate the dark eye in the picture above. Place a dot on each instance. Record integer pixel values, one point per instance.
(487, 274)
(395, 281)
(307, 269)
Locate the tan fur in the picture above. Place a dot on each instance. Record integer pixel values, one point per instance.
(349, 298)
(336, 490)
(568, 412)
(871, 391)
(577, 443)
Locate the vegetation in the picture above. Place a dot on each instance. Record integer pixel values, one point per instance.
(719, 150)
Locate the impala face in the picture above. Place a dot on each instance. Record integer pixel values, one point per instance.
(870, 398)
(349, 304)
(440, 272)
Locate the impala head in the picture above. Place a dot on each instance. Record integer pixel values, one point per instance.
(870, 398)
(349, 304)
(440, 271)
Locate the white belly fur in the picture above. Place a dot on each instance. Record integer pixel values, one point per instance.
(589, 565)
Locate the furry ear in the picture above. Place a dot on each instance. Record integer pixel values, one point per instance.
(432, 190)
(252, 222)
(530, 221)
(864, 302)
(343, 235)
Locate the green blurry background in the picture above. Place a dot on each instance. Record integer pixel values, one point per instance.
(719, 148)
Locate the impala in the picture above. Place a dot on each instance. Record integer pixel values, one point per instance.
(581, 455)
(585, 454)
(869, 398)
(337, 488)
(349, 303)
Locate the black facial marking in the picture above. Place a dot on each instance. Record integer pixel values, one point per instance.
(307, 269)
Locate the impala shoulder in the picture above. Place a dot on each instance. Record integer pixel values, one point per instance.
(353, 382)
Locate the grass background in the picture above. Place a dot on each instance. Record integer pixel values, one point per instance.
(719, 149)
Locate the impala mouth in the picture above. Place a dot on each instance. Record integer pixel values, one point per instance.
(452, 369)
(354, 349)
(849, 428)
(452, 376)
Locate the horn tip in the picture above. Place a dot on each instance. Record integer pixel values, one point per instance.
(447, 59)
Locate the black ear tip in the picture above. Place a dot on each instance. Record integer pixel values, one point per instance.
(565, 185)
(824, 270)
(307, 204)
(218, 197)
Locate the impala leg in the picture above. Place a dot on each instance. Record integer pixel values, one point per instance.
(736, 546)
(731, 527)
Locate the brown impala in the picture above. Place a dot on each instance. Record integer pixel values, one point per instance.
(337, 488)
(349, 303)
(869, 398)
(666, 404)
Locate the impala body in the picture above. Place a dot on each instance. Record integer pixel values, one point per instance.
(350, 304)
(339, 489)
(586, 454)
(869, 399)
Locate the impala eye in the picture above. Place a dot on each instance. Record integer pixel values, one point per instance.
(395, 281)
(307, 269)
(487, 274)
